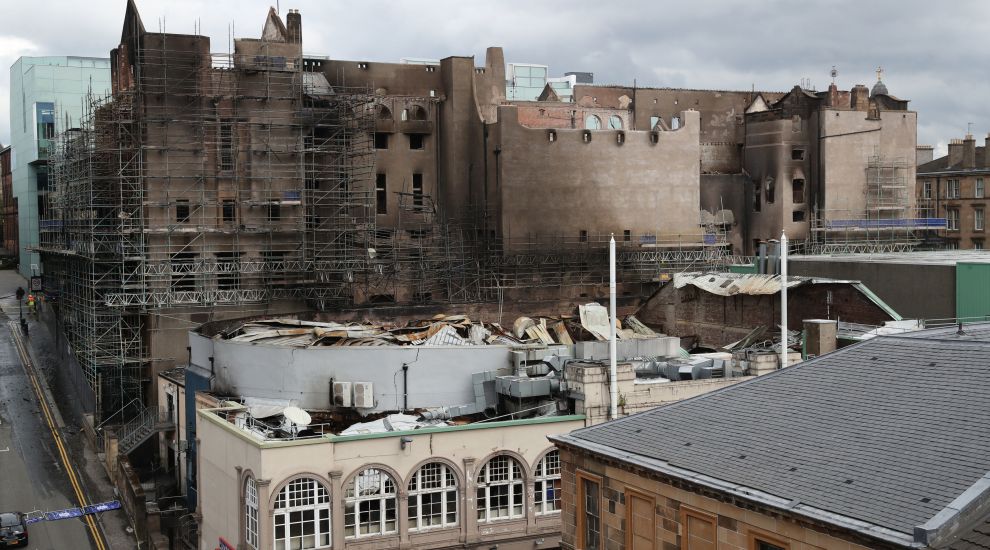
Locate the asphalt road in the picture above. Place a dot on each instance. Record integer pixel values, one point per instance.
(31, 474)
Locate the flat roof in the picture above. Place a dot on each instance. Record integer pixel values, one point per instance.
(929, 257)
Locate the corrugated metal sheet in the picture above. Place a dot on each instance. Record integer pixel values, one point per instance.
(731, 284)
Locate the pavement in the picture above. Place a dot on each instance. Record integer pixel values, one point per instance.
(46, 463)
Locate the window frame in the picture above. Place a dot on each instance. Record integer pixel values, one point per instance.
(540, 480)
(631, 493)
(251, 515)
(381, 193)
(755, 536)
(951, 218)
(353, 501)
(516, 486)
(979, 219)
(979, 188)
(580, 511)
(448, 484)
(687, 511)
(294, 492)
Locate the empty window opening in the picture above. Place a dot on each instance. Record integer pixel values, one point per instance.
(381, 197)
(797, 154)
(381, 140)
(797, 216)
(586, 136)
(771, 187)
(757, 198)
(183, 264)
(797, 191)
(384, 113)
(583, 236)
(274, 212)
(417, 141)
(654, 120)
(614, 123)
(362, 66)
(654, 137)
(675, 123)
(414, 112)
(225, 144)
(182, 210)
(417, 189)
(431, 69)
(593, 123)
(552, 136)
(626, 235)
(229, 213)
(620, 138)
(228, 270)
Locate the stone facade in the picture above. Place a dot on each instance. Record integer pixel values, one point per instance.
(954, 188)
(715, 520)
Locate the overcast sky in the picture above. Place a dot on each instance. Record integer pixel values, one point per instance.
(932, 53)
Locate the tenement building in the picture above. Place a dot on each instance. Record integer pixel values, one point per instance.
(953, 187)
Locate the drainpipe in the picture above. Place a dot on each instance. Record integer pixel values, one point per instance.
(405, 386)
(783, 299)
(613, 382)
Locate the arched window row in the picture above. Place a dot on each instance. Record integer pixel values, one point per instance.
(371, 501)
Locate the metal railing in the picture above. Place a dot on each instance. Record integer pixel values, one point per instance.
(142, 426)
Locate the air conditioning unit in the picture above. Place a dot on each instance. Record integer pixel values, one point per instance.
(342, 394)
(364, 396)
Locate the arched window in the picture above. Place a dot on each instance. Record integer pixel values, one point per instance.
(370, 505)
(414, 112)
(547, 484)
(251, 512)
(384, 113)
(302, 515)
(432, 497)
(675, 122)
(614, 123)
(593, 123)
(500, 489)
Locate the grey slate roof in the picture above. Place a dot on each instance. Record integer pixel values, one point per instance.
(888, 431)
(976, 539)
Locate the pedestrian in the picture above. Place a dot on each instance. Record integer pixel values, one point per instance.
(30, 303)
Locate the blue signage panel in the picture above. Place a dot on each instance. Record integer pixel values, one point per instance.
(63, 514)
(102, 507)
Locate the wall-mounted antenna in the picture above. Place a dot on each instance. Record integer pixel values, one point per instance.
(834, 73)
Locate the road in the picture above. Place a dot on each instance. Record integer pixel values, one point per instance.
(33, 474)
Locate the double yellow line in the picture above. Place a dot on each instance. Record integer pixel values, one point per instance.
(94, 531)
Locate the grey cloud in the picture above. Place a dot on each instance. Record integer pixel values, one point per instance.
(932, 54)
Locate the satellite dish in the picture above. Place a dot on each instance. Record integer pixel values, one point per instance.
(297, 416)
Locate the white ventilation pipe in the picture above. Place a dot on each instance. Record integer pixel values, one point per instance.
(612, 369)
(783, 299)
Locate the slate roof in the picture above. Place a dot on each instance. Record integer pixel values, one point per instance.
(977, 539)
(888, 431)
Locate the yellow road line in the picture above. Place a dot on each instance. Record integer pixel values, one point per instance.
(73, 479)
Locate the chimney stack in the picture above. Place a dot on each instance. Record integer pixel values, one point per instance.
(955, 153)
(986, 151)
(924, 153)
(293, 26)
(860, 98)
(969, 152)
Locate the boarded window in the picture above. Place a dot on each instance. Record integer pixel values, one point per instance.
(381, 196)
(641, 521)
(700, 531)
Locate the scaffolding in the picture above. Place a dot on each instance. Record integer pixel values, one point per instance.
(221, 179)
(887, 221)
(241, 178)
